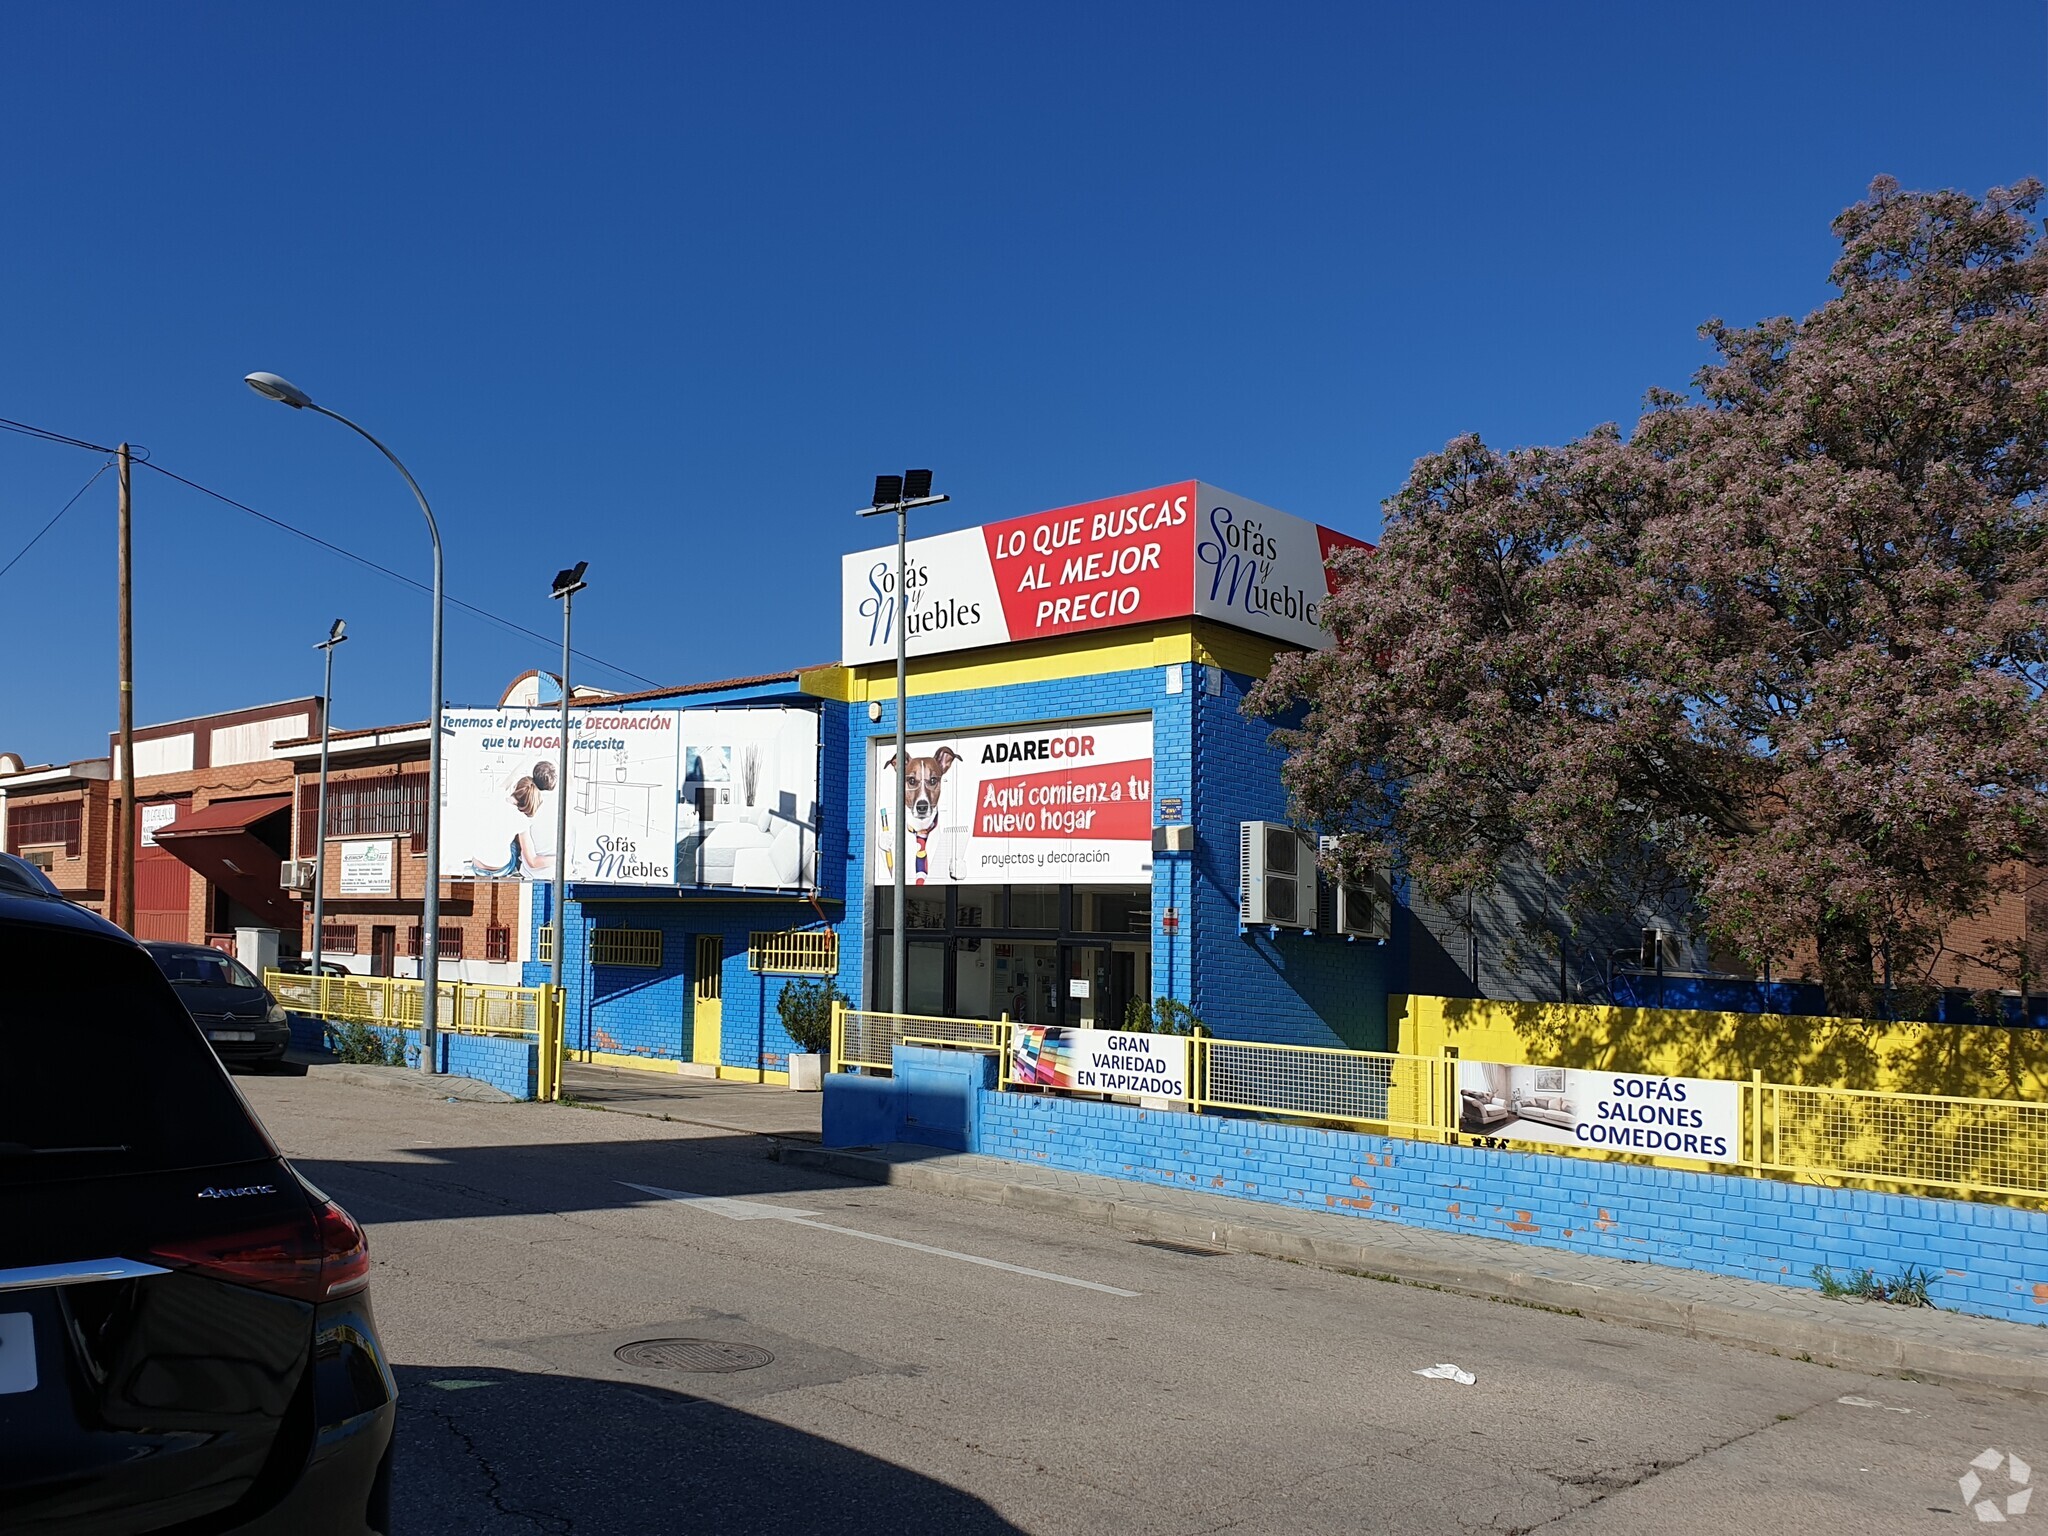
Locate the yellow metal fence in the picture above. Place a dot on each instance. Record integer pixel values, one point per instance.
(461, 1008)
(1925, 1143)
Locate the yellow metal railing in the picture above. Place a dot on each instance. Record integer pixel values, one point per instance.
(1969, 1147)
(463, 1008)
(1923, 1143)
(865, 1039)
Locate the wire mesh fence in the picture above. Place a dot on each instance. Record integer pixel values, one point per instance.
(463, 1007)
(1964, 1146)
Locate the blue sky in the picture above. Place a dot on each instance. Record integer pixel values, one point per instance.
(662, 287)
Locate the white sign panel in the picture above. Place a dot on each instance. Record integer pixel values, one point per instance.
(155, 817)
(1608, 1111)
(1031, 804)
(367, 867)
(749, 818)
(1100, 1061)
(500, 790)
(1172, 552)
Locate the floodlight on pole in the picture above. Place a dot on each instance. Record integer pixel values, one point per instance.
(567, 584)
(272, 387)
(899, 494)
(336, 633)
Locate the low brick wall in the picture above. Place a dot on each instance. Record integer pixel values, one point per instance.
(505, 1062)
(1987, 1259)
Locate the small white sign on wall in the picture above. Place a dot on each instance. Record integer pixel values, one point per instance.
(368, 866)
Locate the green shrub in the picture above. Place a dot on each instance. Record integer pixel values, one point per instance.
(806, 1009)
(361, 1045)
(1906, 1289)
(1165, 1016)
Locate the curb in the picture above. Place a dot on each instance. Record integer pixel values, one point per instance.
(1847, 1345)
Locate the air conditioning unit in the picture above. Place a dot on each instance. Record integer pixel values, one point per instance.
(1659, 951)
(1276, 876)
(1355, 909)
(296, 874)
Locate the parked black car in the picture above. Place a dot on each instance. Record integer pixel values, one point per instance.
(186, 1340)
(235, 1010)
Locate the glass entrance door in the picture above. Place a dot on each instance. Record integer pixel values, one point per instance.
(1101, 981)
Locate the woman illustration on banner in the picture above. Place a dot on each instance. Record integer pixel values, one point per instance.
(524, 857)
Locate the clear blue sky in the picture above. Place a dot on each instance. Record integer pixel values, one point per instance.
(663, 286)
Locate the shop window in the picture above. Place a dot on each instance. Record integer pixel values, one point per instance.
(978, 906)
(451, 941)
(1122, 910)
(62, 822)
(390, 805)
(626, 946)
(497, 942)
(1035, 906)
(338, 939)
(921, 909)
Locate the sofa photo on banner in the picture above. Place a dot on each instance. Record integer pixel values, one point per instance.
(751, 847)
(1492, 1098)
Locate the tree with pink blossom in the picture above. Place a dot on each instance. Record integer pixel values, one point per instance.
(1781, 647)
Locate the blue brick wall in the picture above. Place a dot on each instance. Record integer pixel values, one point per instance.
(1987, 1259)
(650, 1012)
(509, 1064)
(1293, 988)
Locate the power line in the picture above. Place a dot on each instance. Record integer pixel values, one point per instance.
(385, 570)
(44, 434)
(31, 544)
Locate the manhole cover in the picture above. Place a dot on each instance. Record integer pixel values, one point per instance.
(691, 1355)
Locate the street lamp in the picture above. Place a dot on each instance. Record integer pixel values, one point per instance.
(898, 494)
(335, 636)
(567, 584)
(271, 387)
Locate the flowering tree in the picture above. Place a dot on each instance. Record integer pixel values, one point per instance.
(1783, 647)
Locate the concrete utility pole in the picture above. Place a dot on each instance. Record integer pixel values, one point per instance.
(124, 859)
(336, 634)
(567, 584)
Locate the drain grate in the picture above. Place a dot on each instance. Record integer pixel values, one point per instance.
(691, 1355)
(1173, 1247)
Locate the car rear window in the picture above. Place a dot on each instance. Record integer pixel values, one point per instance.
(101, 1069)
(208, 967)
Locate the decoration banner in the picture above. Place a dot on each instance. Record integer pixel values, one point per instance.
(1610, 1111)
(1100, 1061)
(1031, 804)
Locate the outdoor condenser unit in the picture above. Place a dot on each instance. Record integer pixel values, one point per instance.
(1354, 909)
(296, 874)
(1276, 876)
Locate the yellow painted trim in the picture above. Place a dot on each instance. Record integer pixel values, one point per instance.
(666, 1064)
(751, 1075)
(834, 682)
(1072, 656)
(1036, 661)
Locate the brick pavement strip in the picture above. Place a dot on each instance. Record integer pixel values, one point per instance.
(1906, 1341)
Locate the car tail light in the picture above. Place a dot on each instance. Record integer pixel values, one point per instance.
(315, 1260)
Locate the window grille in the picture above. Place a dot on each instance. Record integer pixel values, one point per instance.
(338, 938)
(497, 942)
(390, 805)
(799, 952)
(451, 941)
(625, 946)
(34, 825)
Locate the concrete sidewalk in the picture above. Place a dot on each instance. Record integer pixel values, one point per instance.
(761, 1109)
(1780, 1320)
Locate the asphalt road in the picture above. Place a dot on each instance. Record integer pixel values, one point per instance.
(946, 1366)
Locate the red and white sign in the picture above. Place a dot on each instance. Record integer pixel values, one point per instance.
(1028, 805)
(1181, 550)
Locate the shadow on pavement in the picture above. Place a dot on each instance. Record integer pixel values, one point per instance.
(485, 1449)
(437, 1183)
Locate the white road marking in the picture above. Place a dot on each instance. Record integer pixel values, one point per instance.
(1871, 1402)
(754, 1210)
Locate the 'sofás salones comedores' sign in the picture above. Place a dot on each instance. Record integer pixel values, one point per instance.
(1180, 550)
(1608, 1111)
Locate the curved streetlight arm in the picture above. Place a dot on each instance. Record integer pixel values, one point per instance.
(430, 915)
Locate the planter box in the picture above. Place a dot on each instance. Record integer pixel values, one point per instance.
(806, 1071)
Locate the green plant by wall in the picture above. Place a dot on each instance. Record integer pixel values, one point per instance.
(806, 1010)
(1908, 1288)
(1164, 1016)
(361, 1045)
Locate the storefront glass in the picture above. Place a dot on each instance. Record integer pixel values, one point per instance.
(1042, 954)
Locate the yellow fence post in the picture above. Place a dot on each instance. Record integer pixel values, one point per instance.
(838, 1037)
